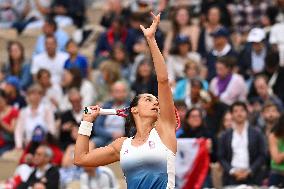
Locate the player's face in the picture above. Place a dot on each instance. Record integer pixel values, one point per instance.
(148, 106)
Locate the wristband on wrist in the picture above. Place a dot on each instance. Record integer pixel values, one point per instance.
(85, 128)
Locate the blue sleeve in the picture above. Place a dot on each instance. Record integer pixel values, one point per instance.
(100, 45)
(85, 66)
(39, 45)
(26, 79)
(179, 93)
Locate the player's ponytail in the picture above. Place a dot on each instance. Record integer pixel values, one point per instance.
(130, 126)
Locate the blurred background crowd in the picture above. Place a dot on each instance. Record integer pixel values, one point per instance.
(225, 62)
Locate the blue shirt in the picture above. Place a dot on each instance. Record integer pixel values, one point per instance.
(80, 63)
(61, 39)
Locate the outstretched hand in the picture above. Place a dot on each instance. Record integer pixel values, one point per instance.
(150, 32)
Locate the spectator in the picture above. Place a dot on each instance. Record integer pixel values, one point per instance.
(75, 59)
(228, 86)
(12, 89)
(116, 33)
(181, 25)
(276, 146)
(182, 53)
(275, 74)
(252, 57)
(241, 150)
(35, 114)
(194, 127)
(109, 74)
(74, 9)
(17, 65)
(10, 12)
(72, 79)
(196, 96)
(270, 115)
(44, 172)
(99, 177)
(52, 93)
(108, 128)
(50, 28)
(205, 42)
(113, 9)
(264, 93)
(221, 48)
(8, 120)
(214, 110)
(68, 171)
(51, 59)
(119, 56)
(39, 137)
(226, 123)
(192, 71)
(146, 81)
(70, 119)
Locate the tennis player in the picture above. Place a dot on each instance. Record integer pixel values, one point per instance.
(148, 157)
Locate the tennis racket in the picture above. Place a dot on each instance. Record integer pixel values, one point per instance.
(123, 112)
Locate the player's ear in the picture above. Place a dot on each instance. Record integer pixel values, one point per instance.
(134, 110)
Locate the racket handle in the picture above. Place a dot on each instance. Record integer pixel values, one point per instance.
(88, 110)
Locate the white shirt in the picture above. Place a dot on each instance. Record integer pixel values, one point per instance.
(240, 157)
(54, 65)
(104, 179)
(276, 37)
(223, 52)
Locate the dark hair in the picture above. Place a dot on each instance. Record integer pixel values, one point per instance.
(3, 95)
(176, 28)
(22, 49)
(227, 61)
(145, 60)
(130, 126)
(278, 128)
(238, 104)
(69, 42)
(268, 104)
(77, 78)
(50, 21)
(188, 113)
(41, 72)
(196, 82)
(121, 46)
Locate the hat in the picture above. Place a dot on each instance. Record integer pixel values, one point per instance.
(181, 39)
(14, 81)
(256, 35)
(221, 32)
(38, 134)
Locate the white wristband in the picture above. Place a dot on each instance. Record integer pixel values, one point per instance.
(85, 128)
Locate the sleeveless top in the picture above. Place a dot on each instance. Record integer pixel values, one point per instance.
(151, 165)
(275, 166)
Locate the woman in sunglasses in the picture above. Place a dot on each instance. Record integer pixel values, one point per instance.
(147, 156)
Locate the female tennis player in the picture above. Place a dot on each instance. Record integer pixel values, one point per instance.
(148, 158)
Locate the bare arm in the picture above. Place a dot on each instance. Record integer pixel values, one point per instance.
(277, 156)
(97, 157)
(167, 112)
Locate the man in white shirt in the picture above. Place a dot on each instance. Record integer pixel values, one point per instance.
(241, 150)
(51, 60)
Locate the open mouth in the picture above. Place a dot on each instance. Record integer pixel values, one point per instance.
(155, 109)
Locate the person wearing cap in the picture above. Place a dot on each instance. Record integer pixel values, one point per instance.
(12, 89)
(180, 55)
(221, 47)
(252, 57)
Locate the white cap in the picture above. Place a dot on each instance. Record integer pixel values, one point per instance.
(256, 35)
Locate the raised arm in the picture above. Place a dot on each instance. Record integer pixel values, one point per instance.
(98, 156)
(167, 110)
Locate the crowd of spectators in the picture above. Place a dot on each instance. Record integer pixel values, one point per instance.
(225, 62)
